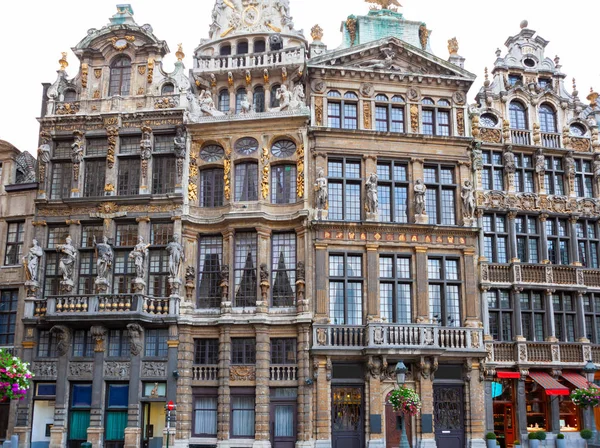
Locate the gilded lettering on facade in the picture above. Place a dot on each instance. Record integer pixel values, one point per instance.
(112, 133)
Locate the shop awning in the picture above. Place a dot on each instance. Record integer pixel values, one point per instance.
(507, 374)
(552, 386)
(576, 380)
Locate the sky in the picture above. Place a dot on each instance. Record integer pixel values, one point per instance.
(33, 34)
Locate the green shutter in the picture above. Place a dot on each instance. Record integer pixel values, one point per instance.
(116, 422)
(78, 424)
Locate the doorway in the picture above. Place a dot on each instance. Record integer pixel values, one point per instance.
(153, 424)
(392, 428)
(347, 417)
(448, 414)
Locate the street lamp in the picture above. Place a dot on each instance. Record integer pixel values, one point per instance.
(400, 379)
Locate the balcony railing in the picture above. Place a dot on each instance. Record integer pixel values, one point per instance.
(540, 274)
(383, 335)
(255, 60)
(100, 304)
(283, 372)
(541, 352)
(205, 372)
(551, 140)
(520, 137)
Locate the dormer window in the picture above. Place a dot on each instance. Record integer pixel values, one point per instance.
(69, 96)
(260, 46)
(514, 79)
(167, 89)
(120, 76)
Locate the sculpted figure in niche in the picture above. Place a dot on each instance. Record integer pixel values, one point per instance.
(32, 261)
(540, 161)
(284, 96)
(468, 199)
(146, 144)
(477, 155)
(67, 260)
(105, 256)
(176, 256)
(509, 160)
(246, 107)
(139, 255)
(321, 192)
(63, 339)
(136, 344)
(372, 202)
(44, 153)
(77, 150)
(420, 189)
(179, 142)
(570, 165)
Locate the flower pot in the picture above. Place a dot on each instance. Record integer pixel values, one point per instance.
(491, 443)
(533, 443)
(561, 443)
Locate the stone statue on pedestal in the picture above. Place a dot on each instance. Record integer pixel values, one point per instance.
(176, 256)
(420, 189)
(321, 193)
(372, 202)
(32, 261)
(139, 254)
(66, 265)
(104, 261)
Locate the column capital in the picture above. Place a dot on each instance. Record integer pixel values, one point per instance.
(421, 249)
(321, 246)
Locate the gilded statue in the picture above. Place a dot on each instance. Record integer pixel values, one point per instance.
(392, 5)
(453, 46)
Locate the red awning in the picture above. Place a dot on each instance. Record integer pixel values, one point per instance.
(552, 386)
(576, 380)
(511, 375)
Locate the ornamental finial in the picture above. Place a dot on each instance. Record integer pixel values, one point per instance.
(453, 46)
(63, 61)
(180, 54)
(316, 33)
(391, 5)
(593, 97)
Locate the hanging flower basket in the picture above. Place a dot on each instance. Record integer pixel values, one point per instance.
(405, 400)
(586, 398)
(15, 377)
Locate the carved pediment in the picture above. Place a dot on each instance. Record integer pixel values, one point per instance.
(390, 55)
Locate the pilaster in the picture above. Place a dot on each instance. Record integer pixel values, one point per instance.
(224, 404)
(422, 290)
(262, 383)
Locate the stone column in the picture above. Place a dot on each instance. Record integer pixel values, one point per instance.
(512, 235)
(322, 305)
(133, 431)
(373, 307)
(581, 332)
(224, 403)
(184, 383)
(172, 379)
(422, 289)
(550, 324)
(95, 432)
(323, 404)
(543, 239)
(573, 242)
(375, 406)
(263, 355)
(555, 406)
(522, 406)
(518, 324)
(472, 309)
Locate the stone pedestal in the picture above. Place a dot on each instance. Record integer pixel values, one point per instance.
(132, 437)
(66, 285)
(470, 222)
(95, 436)
(32, 287)
(320, 215)
(262, 307)
(372, 216)
(102, 285)
(174, 286)
(139, 285)
(421, 219)
(24, 434)
(58, 437)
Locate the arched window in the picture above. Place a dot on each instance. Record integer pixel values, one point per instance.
(444, 103)
(242, 47)
(577, 130)
(428, 102)
(274, 100)
(518, 115)
(120, 77)
(258, 99)
(547, 119)
(225, 50)
(167, 89)
(260, 46)
(240, 96)
(224, 101)
(69, 96)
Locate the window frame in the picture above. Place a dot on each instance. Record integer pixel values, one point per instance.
(204, 392)
(438, 187)
(118, 345)
(156, 342)
(52, 276)
(554, 175)
(396, 281)
(445, 283)
(249, 297)
(588, 247)
(244, 191)
(243, 351)
(591, 307)
(83, 339)
(492, 238)
(491, 170)
(8, 316)
(527, 238)
(212, 187)
(389, 123)
(561, 254)
(13, 254)
(209, 245)
(288, 195)
(46, 345)
(524, 173)
(344, 181)
(436, 123)
(584, 178)
(518, 116)
(537, 327)
(562, 316)
(121, 257)
(346, 279)
(393, 185)
(345, 103)
(501, 334)
(158, 266)
(289, 241)
(210, 347)
(238, 392)
(124, 72)
(283, 346)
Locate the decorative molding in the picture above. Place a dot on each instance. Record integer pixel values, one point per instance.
(242, 373)
(117, 369)
(44, 369)
(537, 202)
(81, 369)
(154, 369)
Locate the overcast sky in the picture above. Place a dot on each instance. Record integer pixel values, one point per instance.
(33, 33)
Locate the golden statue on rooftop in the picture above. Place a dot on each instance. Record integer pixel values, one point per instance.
(392, 5)
(63, 61)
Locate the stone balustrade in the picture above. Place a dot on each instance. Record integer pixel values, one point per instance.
(551, 140)
(283, 372)
(520, 137)
(385, 335)
(288, 56)
(99, 304)
(539, 274)
(525, 352)
(205, 372)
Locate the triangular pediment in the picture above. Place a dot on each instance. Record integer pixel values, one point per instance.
(389, 55)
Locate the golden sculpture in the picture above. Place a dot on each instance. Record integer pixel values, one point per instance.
(84, 75)
(453, 46)
(300, 170)
(351, 25)
(414, 118)
(229, 3)
(593, 97)
(192, 192)
(392, 5)
(316, 33)
(150, 70)
(63, 61)
(424, 36)
(114, 40)
(264, 186)
(180, 54)
(367, 115)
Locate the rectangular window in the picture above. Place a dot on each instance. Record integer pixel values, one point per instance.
(395, 283)
(242, 413)
(94, 178)
(495, 240)
(524, 173)
(528, 239)
(164, 143)
(381, 118)
(564, 316)
(87, 271)
(90, 233)
(345, 289)
(392, 191)
(493, 171)
(243, 351)
(283, 351)
(441, 193)
(79, 413)
(96, 147)
(156, 342)
(427, 122)
(344, 190)
(350, 115)
(397, 123)
(334, 114)
(532, 316)
(164, 173)
(130, 145)
(283, 269)
(206, 351)
(46, 345)
(588, 243)
(83, 344)
(443, 122)
(160, 235)
(444, 291)
(52, 277)
(9, 299)
(124, 266)
(211, 187)
(129, 177)
(118, 344)
(14, 243)
(554, 176)
(116, 412)
(283, 184)
(246, 270)
(500, 315)
(591, 307)
(246, 182)
(61, 180)
(209, 272)
(584, 178)
(62, 149)
(557, 233)
(205, 412)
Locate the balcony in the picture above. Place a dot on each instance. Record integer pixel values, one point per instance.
(283, 372)
(414, 337)
(205, 372)
(288, 56)
(99, 305)
(520, 137)
(539, 274)
(551, 140)
(541, 352)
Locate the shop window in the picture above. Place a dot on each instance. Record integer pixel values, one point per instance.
(116, 414)
(536, 406)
